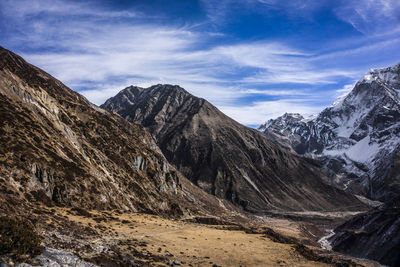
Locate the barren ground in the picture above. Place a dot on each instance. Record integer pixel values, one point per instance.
(155, 240)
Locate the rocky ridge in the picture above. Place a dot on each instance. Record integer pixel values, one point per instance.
(58, 148)
(223, 157)
(374, 235)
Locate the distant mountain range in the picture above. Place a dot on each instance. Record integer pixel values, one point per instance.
(225, 158)
(357, 139)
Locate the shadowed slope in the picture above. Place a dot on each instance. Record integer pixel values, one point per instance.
(224, 157)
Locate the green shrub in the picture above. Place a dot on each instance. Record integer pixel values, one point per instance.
(18, 238)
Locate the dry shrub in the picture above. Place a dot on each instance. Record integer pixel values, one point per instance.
(18, 238)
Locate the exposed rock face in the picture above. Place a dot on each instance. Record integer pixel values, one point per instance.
(224, 157)
(57, 147)
(374, 235)
(356, 139)
(57, 258)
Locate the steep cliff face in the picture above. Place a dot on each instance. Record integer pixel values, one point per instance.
(374, 235)
(224, 157)
(356, 139)
(57, 147)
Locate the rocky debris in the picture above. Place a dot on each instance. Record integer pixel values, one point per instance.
(324, 242)
(174, 262)
(177, 262)
(374, 235)
(57, 258)
(356, 139)
(223, 157)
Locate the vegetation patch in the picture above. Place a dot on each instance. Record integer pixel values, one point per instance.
(81, 212)
(207, 220)
(18, 239)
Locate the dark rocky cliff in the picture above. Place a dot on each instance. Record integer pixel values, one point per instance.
(374, 235)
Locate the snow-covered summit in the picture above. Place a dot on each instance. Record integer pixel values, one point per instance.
(356, 138)
(283, 120)
(388, 75)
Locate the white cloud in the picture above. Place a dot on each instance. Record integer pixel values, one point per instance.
(260, 112)
(275, 92)
(264, 55)
(97, 53)
(360, 50)
(343, 92)
(300, 76)
(25, 8)
(345, 89)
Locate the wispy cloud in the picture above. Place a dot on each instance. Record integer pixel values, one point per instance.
(25, 8)
(265, 110)
(220, 11)
(275, 92)
(98, 52)
(300, 76)
(345, 89)
(370, 16)
(366, 16)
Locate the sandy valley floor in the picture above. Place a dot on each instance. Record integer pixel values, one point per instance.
(157, 240)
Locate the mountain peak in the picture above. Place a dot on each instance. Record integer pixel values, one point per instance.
(356, 138)
(167, 86)
(285, 118)
(389, 75)
(224, 157)
(70, 152)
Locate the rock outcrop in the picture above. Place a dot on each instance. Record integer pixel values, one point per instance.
(374, 235)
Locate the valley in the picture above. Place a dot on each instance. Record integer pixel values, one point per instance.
(137, 239)
(157, 176)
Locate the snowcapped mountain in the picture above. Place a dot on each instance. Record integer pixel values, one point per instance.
(356, 138)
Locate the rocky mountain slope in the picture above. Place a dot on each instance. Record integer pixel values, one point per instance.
(224, 157)
(73, 175)
(60, 153)
(57, 148)
(374, 235)
(356, 139)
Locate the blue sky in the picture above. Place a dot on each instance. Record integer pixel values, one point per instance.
(253, 59)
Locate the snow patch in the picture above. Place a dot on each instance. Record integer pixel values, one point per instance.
(363, 150)
(324, 242)
(247, 178)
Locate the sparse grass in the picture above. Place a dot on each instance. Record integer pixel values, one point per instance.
(18, 238)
